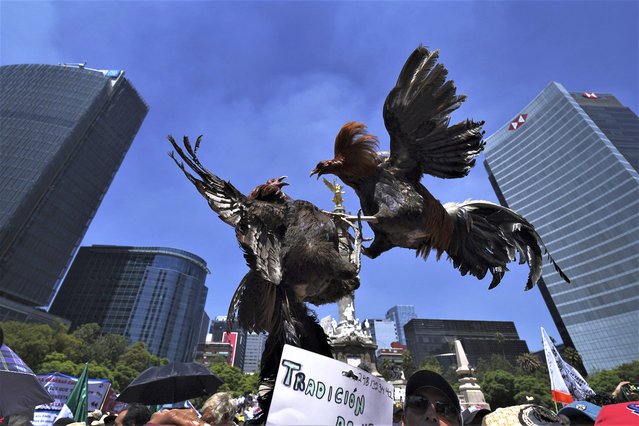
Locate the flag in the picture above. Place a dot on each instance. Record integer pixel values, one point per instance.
(77, 405)
(566, 383)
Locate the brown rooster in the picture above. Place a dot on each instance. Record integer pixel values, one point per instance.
(478, 236)
(291, 249)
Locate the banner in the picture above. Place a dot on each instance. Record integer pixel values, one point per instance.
(110, 405)
(565, 382)
(60, 386)
(312, 388)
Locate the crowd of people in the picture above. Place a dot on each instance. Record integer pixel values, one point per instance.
(430, 400)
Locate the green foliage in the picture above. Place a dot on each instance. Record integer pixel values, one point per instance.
(137, 357)
(47, 348)
(431, 363)
(604, 381)
(32, 342)
(531, 386)
(386, 369)
(499, 388)
(572, 357)
(529, 363)
(496, 362)
(408, 364)
(629, 371)
(56, 361)
(234, 380)
(123, 375)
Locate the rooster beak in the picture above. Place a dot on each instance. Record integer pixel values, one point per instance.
(280, 181)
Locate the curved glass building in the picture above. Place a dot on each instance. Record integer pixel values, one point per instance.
(567, 163)
(64, 131)
(150, 294)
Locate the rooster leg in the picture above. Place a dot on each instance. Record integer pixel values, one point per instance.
(379, 245)
(351, 218)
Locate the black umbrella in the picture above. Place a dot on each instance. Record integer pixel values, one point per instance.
(177, 381)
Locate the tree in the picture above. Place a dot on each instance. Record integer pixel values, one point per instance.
(123, 375)
(431, 363)
(137, 357)
(499, 388)
(573, 358)
(500, 341)
(233, 379)
(109, 348)
(529, 363)
(535, 387)
(604, 381)
(59, 362)
(408, 364)
(32, 342)
(386, 369)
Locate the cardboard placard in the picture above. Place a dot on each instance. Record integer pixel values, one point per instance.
(312, 389)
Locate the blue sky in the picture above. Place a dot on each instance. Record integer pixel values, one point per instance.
(269, 84)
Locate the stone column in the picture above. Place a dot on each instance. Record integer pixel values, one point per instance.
(470, 390)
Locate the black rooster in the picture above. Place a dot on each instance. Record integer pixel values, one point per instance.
(478, 236)
(291, 248)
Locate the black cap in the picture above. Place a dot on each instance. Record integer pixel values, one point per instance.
(423, 378)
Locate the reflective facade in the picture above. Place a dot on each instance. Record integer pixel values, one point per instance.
(150, 294)
(564, 168)
(383, 332)
(255, 344)
(435, 337)
(63, 134)
(401, 314)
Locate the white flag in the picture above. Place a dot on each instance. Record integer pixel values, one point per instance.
(64, 413)
(565, 382)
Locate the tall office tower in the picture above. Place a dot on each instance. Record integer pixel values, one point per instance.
(255, 344)
(383, 332)
(220, 333)
(568, 163)
(63, 134)
(150, 294)
(205, 324)
(401, 314)
(435, 337)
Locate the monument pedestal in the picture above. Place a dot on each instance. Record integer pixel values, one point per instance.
(469, 389)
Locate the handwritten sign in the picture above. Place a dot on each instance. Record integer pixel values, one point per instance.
(60, 386)
(44, 417)
(314, 389)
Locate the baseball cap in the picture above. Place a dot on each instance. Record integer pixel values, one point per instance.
(579, 408)
(474, 413)
(626, 413)
(423, 378)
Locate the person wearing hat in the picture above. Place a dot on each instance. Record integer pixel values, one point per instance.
(430, 400)
(581, 413)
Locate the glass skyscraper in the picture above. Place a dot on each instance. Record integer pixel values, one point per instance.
(568, 163)
(150, 294)
(383, 332)
(63, 134)
(401, 314)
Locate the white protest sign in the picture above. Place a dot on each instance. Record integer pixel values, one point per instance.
(312, 389)
(44, 418)
(60, 386)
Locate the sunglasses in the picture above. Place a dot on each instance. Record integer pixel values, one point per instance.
(442, 408)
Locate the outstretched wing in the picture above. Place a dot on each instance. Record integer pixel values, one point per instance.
(417, 114)
(256, 223)
(487, 236)
(223, 197)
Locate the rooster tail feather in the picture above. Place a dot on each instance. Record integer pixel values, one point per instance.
(487, 237)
